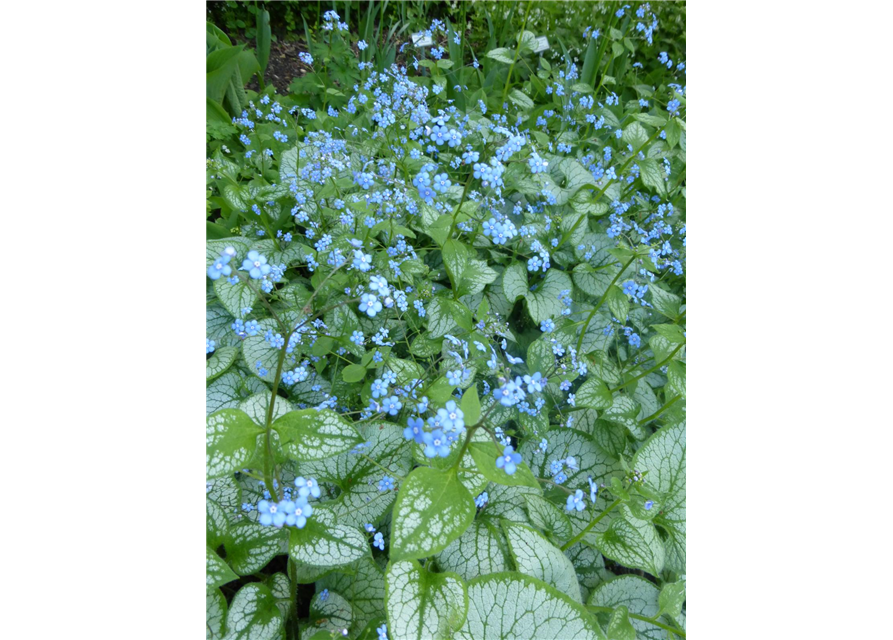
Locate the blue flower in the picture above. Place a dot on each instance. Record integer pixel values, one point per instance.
(648, 505)
(435, 444)
(379, 388)
(593, 490)
(482, 500)
(220, 267)
(414, 430)
(270, 513)
(535, 383)
(382, 632)
(508, 460)
(357, 338)
(441, 182)
(210, 345)
(378, 541)
(547, 326)
(370, 304)
(386, 484)
(307, 487)
(298, 514)
(454, 377)
(379, 285)
(451, 416)
(391, 405)
(576, 501)
(362, 261)
(673, 106)
(361, 45)
(256, 265)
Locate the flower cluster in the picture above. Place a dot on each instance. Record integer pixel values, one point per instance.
(291, 511)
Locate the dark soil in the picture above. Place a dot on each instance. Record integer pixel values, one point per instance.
(283, 66)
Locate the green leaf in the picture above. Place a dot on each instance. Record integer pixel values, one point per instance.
(227, 391)
(365, 590)
(543, 302)
(671, 599)
(217, 524)
(309, 434)
(564, 442)
(217, 572)
(548, 517)
(422, 605)
(638, 595)
(676, 378)
(674, 132)
(594, 394)
(619, 627)
(323, 543)
(653, 175)
(471, 406)
(618, 303)
(664, 302)
(480, 550)
(672, 332)
(235, 297)
(485, 455)
(441, 320)
(455, 259)
(590, 567)
(263, 40)
(477, 275)
(250, 546)
(253, 615)
(521, 99)
(432, 510)
(215, 614)
(624, 411)
(515, 606)
(663, 457)
(220, 361)
(501, 54)
(539, 355)
(231, 440)
(635, 134)
(632, 542)
(535, 556)
(333, 614)
(359, 500)
(514, 281)
(353, 373)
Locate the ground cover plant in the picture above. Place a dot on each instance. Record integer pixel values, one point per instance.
(446, 332)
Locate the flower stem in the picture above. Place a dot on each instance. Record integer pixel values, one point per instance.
(567, 545)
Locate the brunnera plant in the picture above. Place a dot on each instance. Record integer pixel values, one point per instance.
(446, 349)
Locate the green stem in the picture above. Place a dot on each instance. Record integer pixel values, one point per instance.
(567, 545)
(508, 80)
(600, 303)
(652, 369)
(636, 616)
(654, 415)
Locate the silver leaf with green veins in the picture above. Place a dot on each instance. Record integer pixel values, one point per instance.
(535, 556)
(365, 590)
(515, 606)
(422, 605)
(253, 615)
(433, 508)
(480, 550)
(638, 595)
